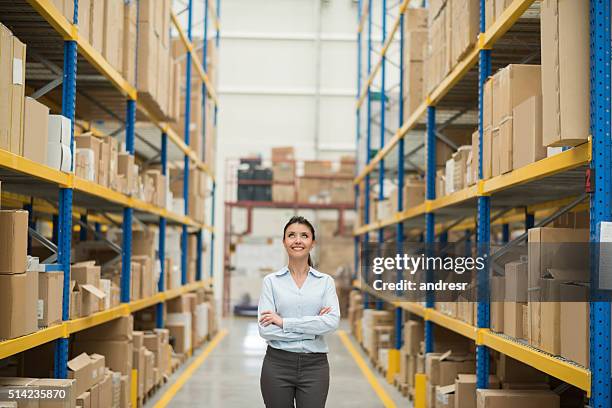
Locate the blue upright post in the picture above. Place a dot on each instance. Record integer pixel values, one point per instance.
(184, 236)
(64, 233)
(98, 229)
(381, 164)
(356, 239)
(430, 192)
(399, 227)
(161, 284)
(366, 236)
(505, 233)
(128, 212)
(529, 221)
(54, 228)
(83, 230)
(601, 199)
(484, 220)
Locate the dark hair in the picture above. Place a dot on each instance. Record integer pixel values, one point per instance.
(297, 219)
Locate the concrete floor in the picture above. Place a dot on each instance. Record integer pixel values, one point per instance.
(229, 377)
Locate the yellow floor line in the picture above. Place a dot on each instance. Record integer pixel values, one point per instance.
(178, 384)
(365, 369)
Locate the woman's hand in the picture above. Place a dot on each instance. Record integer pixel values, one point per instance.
(325, 310)
(269, 317)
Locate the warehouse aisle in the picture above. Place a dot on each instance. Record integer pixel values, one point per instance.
(229, 377)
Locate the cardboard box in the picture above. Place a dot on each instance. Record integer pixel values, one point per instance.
(445, 396)
(495, 153)
(18, 304)
(283, 171)
(415, 18)
(98, 368)
(60, 130)
(13, 241)
(342, 191)
(17, 88)
(513, 319)
(414, 75)
(283, 193)
(52, 385)
(90, 299)
(35, 130)
(125, 168)
(80, 369)
(316, 168)
(96, 25)
(505, 145)
(117, 329)
(105, 390)
(181, 333)
(464, 35)
(511, 86)
(497, 287)
(139, 364)
(84, 400)
(487, 153)
(566, 72)
(86, 273)
(125, 392)
(75, 301)
(413, 336)
(94, 396)
(148, 373)
(465, 389)
(442, 369)
(112, 48)
(118, 353)
(6, 68)
(285, 153)
(50, 295)
(574, 325)
(509, 370)
(514, 398)
(527, 145)
(475, 158)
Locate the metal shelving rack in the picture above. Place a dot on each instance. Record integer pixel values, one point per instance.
(528, 188)
(59, 40)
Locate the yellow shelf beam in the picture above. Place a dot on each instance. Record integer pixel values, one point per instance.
(40, 171)
(575, 375)
(65, 329)
(194, 57)
(383, 52)
(485, 41)
(464, 329)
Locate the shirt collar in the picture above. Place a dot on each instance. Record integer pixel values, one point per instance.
(312, 271)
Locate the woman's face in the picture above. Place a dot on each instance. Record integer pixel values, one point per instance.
(298, 241)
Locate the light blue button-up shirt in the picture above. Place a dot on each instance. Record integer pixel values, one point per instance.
(303, 329)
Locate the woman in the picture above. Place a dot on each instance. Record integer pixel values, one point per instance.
(298, 305)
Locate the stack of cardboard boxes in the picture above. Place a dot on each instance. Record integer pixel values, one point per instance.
(378, 332)
(283, 174)
(112, 345)
(156, 81)
(42, 385)
(197, 190)
(94, 385)
(355, 313)
(323, 184)
(18, 278)
(409, 353)
(151, 358)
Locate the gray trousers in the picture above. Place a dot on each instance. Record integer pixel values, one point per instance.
(301, 377)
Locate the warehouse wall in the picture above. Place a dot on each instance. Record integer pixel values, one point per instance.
(282, 83)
